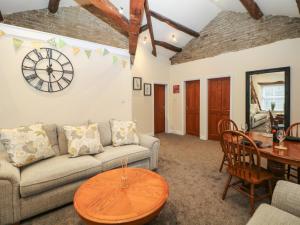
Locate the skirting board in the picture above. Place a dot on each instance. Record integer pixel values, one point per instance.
(178, 132)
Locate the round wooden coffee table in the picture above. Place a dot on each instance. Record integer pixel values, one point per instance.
(102, 200)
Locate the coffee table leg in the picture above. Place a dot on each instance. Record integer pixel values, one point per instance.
(277, 169)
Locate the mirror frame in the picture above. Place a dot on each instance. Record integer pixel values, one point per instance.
(287, 72)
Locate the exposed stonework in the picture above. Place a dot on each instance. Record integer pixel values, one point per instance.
(73, 22)
(231, 31)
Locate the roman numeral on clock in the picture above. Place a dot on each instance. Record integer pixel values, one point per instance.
(32, 60)
(49, 53)
(40, 84)
(31, 77)
(28, 67)
(59, 85)
(50, 88)
(38, 54)
(66, 80)
(68, 72)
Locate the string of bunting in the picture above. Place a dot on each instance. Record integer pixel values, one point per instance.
(60, 43)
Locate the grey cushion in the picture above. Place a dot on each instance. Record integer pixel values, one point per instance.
(112, 156)
(105, 133)
(269, 215)
(54, 172)
(62, 140)
(52, 135)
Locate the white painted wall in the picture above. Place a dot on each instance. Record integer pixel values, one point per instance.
(235, 64)
(152, 70)
(100, 90)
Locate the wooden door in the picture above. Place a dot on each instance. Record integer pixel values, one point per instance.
(218, 104)
(159, 108)
(193, 107)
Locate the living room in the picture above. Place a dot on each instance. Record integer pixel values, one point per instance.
(148, 112)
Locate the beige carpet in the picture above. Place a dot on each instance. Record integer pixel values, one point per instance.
(191, 169)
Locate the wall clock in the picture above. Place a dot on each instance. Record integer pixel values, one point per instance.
(47, 70)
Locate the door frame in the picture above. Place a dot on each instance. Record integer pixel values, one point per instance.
(184, 105)
(166, 106)
(204, 100)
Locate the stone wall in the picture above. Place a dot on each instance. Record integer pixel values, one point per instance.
(231, 31)
(75, 22)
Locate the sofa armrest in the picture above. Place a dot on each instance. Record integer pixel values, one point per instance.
(286, 197)
(153, 144)
(9, 192)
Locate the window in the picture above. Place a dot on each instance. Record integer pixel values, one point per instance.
(273, 94)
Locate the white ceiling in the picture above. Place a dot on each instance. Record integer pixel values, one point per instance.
(195, 14)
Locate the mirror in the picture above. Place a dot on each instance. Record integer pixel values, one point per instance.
(268, 99)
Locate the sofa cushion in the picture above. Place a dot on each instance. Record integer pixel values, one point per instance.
(52, 135)
(269, 215)
(123, 132)
(55, 172)
(112, 156)
(83, 140)
(62, 140)
(105, 133)
(26, 145)
(260, 116)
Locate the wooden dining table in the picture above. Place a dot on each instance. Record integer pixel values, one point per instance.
(277, 159)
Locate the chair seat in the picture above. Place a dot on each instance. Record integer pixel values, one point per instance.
(253, 175)
(55, 172)
(112, 156)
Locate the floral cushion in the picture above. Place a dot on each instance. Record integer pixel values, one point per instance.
(83, 140)
(123, 133)
(26, 145)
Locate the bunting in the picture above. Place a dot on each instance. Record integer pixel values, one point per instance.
(52, 42)
(76, 50)
(60, 43)
(17, 43)
(88, 53)
(115, 59)
(105, 52)
(2, 33)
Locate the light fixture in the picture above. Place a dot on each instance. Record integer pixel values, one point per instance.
(174, 38)
(121, 10)
(145, 40)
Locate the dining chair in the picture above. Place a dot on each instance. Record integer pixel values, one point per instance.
(293, 131)
(246, 169)
(225, 124)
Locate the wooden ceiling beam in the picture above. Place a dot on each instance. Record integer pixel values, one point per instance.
(168, 46)
(144, 28)
(149, 22)
(174, 24)
(136, 16)
(112, 13)
(53, 5)
(1, 17)
(252, 8)
(298, 4)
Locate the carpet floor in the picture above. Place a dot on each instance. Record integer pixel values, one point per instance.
(191, 168)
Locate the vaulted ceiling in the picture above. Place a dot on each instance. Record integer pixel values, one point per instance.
(191, 14)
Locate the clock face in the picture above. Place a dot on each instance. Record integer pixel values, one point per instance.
(47, 70)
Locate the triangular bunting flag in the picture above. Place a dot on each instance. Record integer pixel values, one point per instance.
(52, 42)
(76, 50)
(37, 44)
(2, 33)
(61, 43)
(88, 53)
(124, 63)
(105, 52)
(17, 43)
(99, 51)
(115, 59)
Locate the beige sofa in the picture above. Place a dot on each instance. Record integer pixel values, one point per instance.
(285, 208)
(52, 182)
